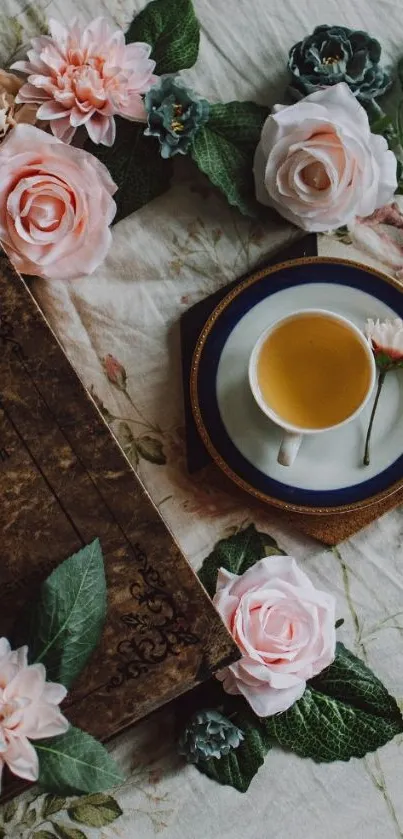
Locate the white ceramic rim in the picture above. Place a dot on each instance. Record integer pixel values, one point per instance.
(254, 385)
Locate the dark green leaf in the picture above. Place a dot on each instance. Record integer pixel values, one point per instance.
(75, 763)
(10, 810)
(67, 832)
(224, 150)
(339, 623)
(172, 30)
(3, 833)
(239, 767)
(136, 166)
(270, 545)
(151, 449)
(43, 834)
(400, 72)
(345, 712)
(69, 617)
(95, 810)
(236, 554)
(52, 804)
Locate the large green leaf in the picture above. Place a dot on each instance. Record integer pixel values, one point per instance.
(236, 554)
(65, 832)
(52, 804)
(345, 712)
(224, 149)
(136, 166)
(172, 30)
(68, 619)
(75, 763)
(95, 810)
(239, 766)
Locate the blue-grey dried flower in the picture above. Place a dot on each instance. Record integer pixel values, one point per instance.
(333, 54)
(208, 734)
(174, 115)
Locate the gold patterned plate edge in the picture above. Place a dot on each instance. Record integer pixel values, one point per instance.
(197, 415)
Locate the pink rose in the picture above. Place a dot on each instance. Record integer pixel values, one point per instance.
(284, 627)
(29, 710)
(318, 164)
(55, 205)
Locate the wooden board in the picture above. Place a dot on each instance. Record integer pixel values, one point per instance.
(64, 481)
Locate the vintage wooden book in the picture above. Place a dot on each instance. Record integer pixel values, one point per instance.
(64, 481)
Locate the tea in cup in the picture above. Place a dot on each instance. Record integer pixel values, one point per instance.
(311, 372)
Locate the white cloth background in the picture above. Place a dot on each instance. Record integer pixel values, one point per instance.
(165, 257)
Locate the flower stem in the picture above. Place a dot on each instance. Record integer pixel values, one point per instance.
(381, 380)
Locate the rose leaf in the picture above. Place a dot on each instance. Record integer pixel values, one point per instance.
(236, 554)
(345, 712)
(239, 766)
(172, 30)
(224, 149)
(135, 164)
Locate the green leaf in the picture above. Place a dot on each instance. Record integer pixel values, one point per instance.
(135, 164)
(239, 767)
(224, 149)
(67, 832)
(75, 763)
(95, 810)
(236, 554)
(128, 443)
(43, 834)
(400, 71)
(30, 818)
(151, 449)
(345, 712)
(68, 619)
(172, 30)
(52, 804)
(10, 810)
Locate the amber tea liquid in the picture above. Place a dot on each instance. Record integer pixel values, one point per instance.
(313, 371)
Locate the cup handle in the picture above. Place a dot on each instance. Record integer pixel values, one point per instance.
(289, 448)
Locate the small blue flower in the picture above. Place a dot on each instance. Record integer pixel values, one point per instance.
(333, 54)
(208, 734)
(175, 115)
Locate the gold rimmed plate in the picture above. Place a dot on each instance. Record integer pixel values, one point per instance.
(328, 475)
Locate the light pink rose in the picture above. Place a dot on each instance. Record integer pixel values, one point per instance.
(84, 77)
(318, 164)
(29, 710)
(55, 205)
(284, 627)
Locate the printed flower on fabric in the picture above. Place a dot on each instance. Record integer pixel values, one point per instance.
(174, 114)
(85, 77)
(386, 339)
(319, 165)
(284, 627)
(29, 710)
(333, 54)
(56, 205)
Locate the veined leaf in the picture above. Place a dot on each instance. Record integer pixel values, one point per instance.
(172, 30)
(75, 763)
(68, 619)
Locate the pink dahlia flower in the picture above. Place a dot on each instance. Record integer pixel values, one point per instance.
(85, 78)
(29, 710)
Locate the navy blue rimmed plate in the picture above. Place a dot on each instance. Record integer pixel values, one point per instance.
(328, 474)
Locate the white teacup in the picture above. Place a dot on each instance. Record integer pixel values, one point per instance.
(294, 434)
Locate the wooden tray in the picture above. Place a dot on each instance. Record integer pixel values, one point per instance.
(64, 481)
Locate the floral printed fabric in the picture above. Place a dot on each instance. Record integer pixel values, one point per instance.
(168, 255)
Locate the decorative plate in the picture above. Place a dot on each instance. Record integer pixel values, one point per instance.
(328, 474)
